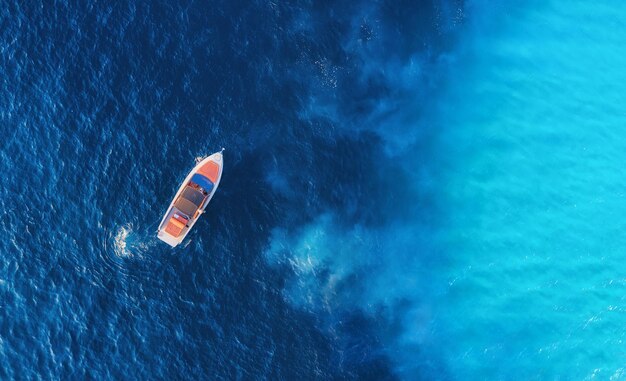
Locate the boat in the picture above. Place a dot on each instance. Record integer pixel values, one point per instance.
(191, 200)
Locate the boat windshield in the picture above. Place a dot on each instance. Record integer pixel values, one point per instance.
(189, 201)
(194, 195)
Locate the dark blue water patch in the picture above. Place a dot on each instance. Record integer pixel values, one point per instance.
(105, 108)
(350, 175)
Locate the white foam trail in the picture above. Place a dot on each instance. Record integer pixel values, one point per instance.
(120, 241)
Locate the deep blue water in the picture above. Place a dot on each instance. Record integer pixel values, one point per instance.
(103, 108)
(414, 190)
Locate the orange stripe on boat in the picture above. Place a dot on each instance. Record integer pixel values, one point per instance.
(210, 170)
(174, 227)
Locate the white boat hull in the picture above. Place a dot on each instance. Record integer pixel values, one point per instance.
(170, 239)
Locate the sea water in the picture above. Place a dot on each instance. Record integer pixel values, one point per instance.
(535, 194)
(504, 258)
(412, 190)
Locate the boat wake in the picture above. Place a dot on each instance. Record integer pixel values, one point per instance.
(122, 247)
(127, 243)
(120, 242)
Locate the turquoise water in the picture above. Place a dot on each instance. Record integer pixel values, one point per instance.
(504, 258)
(535, 119)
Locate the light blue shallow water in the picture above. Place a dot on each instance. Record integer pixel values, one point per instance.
(508, 259)
(535, 117)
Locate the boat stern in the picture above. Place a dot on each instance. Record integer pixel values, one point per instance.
(169, 239)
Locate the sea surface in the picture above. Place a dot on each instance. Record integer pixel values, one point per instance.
(413, 190)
